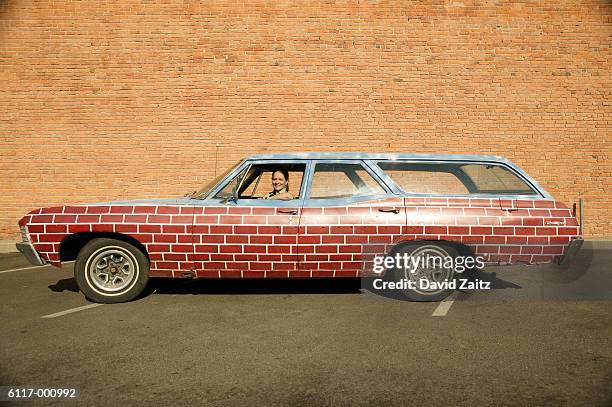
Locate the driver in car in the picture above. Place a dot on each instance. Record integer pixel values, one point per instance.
(280, 186)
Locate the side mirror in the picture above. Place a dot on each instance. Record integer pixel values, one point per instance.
(232, 199)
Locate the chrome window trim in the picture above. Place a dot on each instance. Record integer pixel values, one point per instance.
(541, 192)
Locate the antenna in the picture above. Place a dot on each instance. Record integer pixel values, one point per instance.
(216, 155)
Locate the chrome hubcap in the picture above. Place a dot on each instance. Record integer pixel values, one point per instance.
(112, 269)
(431, 267)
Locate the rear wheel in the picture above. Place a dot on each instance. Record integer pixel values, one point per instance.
(430, 269)
(110, 271)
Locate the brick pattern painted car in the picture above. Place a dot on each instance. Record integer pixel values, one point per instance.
(225, 232)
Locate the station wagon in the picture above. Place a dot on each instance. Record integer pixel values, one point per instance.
(335, 210)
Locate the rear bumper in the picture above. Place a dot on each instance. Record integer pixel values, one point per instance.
(30, 253)
(571, 250)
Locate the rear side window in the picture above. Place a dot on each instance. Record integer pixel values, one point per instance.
(455, 178)
(340, 180)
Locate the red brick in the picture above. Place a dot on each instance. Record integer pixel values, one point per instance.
(318, 230)
(457, 230)
(255, 248)
(121, 209)
(546, 231)
(285, 239)
(472, 239)
(230, 248)
(436, 230)
(158, 219)
(97, 209)
(516, 240)
(51, 238)
(524, 231)
(485, 220)
(222, 230)
(55, 229)
(568, 231)
(243, 230)
(144, 209)
(181, 229)
(531, 249)
(158, 248)
(168, 210)
(79, 228)
(476, 230)
(342, 230)
(214, 210)
(504, 231)
(65, 218)
(207, 248)
(330, 239)
(149, 228)
(533, 221)
(182, 248)
(535, 240)
(42, 219)
(165, 238)
(175, 256)
(237, 238)
(494, 240)
(126, 228)
(260, 239)
(36, 228)
(75, 209)
(135, 218)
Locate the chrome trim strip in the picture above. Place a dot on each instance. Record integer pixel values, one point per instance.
(375, 156)
(27, 249)
(571, 251)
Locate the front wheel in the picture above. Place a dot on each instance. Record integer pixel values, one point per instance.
(110, 271)
(430, 270)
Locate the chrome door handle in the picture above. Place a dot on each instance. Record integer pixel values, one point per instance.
(394, 210)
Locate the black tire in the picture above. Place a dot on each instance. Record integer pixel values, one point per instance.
(124, 267)
(433, 249)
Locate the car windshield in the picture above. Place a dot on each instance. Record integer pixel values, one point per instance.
(202, 192)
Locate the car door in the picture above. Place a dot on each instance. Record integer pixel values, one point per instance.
(238, 234)
(348, 216)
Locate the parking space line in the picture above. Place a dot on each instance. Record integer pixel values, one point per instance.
(71, 310)
(23, 268)
(31, 267)
(445, 305)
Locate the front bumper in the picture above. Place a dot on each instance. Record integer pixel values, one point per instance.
(571, 250)
(30, 253)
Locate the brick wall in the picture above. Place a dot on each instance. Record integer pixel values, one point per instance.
(107, 100)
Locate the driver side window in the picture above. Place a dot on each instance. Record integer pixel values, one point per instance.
(266, 181)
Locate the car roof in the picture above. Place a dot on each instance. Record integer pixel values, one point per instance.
(375, 156)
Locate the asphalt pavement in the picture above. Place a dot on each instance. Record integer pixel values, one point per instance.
(541, 336)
